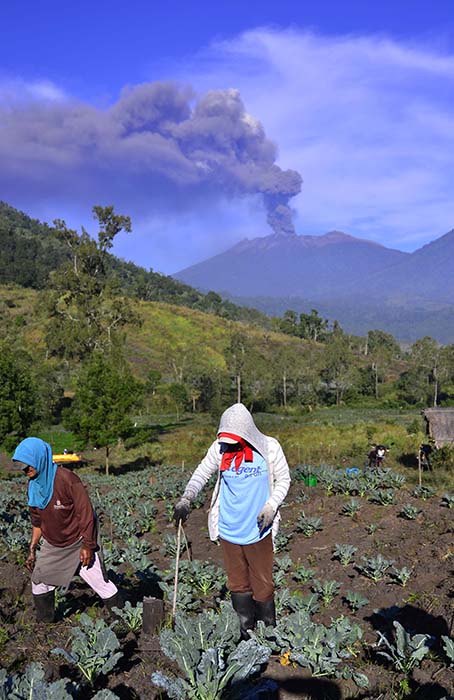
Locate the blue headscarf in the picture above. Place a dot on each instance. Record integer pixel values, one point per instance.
(38, 454)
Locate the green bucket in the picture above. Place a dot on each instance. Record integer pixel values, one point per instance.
(310, 480)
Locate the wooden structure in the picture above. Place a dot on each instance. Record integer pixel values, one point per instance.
(440, 425)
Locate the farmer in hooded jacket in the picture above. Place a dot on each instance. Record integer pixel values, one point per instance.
(253, 480)
(63, 517)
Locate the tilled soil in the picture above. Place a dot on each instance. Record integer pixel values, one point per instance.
(425, 605)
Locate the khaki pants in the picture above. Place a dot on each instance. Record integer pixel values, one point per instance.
(249, 567)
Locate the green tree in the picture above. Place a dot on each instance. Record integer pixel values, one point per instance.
(151, 383)
(288, 323)
(339, 368)
(49, 390)
(309, 374)
(286, 370)
(178, 396)
(105, 394)
(429, 360)
(85, 310)
(18, 396)
(382, 349)
(312, 326)
(236, 355)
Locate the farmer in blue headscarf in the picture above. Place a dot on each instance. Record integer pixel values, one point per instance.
(63, 516)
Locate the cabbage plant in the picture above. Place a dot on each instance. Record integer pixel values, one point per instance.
(205, 649)
(31, 685)
(407, 651)
(94, 648)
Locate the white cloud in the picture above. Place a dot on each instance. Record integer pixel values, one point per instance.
(367, 121)
(17, 90)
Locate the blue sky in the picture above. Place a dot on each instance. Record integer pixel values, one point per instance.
(199, 120)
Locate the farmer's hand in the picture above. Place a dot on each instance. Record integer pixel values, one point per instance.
(265, 517)
(181, 510)
(30, 561)
(86, 556)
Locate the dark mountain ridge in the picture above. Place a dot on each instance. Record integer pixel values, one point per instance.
(425, 275)
(279, 266)
(362, 284)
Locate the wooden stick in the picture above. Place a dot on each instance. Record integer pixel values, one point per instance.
(186, 544)
(177, 564)
(419, 468)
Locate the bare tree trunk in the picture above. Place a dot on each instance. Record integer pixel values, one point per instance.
(375, 370)
(238, 388)
(107, 460)
(435, 391)
(284, 389)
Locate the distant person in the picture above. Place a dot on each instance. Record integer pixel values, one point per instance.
(63, 517)
(425, 454)
(377, 456)
(253, 479)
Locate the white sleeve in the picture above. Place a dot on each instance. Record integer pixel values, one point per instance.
(281, 473)
(207, 467)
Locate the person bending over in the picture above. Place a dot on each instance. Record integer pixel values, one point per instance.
(64, 522)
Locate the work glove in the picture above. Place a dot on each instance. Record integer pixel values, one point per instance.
(265, 517)
(181, 510)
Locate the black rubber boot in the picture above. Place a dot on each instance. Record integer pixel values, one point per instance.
(44, 606)
(115, 601)
(244, 606)
(266, 611)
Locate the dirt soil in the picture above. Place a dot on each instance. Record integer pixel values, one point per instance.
(424, 605)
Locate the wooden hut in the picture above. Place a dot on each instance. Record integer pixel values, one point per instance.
(440, 425)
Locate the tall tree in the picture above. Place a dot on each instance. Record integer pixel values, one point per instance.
(428, 359)
(105, 394)
(382, 349)
(85, 309)
(235, 355)
(286, 371)
(312, 326)
(18, 396)
(288, 323)
(339, 367)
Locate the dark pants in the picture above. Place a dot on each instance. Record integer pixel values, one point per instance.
(249, 567)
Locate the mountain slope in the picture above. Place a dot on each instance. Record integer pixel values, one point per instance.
(314, 267)
(30, 251)
(361, 284)
(170, 338)
(425, 275)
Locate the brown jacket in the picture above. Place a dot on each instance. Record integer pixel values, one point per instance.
(69, 515)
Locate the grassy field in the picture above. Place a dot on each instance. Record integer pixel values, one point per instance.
(338, 437)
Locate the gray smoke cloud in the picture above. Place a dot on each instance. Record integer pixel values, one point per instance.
(158, 144)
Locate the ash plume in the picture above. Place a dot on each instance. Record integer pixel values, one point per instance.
(158, 144)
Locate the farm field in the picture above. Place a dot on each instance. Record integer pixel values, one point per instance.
(357, 556)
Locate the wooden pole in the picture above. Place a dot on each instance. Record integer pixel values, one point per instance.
(419, 468)
(177, 563)
(153, 615)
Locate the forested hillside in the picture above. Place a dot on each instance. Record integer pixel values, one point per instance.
(78, 347)
(31, 250)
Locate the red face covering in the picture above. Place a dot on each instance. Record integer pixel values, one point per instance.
(239, 450)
